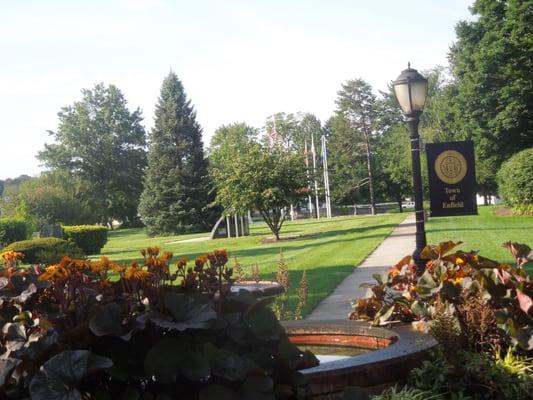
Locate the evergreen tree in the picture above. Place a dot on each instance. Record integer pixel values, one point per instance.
(356, 108)
(177, 192)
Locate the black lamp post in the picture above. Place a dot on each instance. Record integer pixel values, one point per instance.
(410, 89)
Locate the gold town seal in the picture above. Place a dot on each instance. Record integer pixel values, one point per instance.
(450, 166)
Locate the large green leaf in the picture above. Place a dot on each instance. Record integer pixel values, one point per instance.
(420, 309)
(228, 365)
(264, 324)
(173, 356)
(59, 377)
(15, 335)
(6, 366)
(107, 320)
(189, 312)
(383, 314)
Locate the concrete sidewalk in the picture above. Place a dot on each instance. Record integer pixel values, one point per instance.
(399, 243)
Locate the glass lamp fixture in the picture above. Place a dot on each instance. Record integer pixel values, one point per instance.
(411, 90)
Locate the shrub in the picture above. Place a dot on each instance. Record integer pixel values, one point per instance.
(68, 331)
(12, 230)
(491, 301)
(90, 238)
(515, 183)
(475, 376)
(45, 250)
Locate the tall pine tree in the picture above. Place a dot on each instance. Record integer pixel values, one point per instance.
(176, 192)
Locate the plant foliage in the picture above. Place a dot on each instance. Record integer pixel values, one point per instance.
(12, 230)
(515, 183)
(90, 238)
(69, 332)
(452, 279)
(45, 250)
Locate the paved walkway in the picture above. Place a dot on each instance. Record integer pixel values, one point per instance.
(400, 243)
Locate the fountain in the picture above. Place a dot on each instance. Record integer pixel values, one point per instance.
(354, 353)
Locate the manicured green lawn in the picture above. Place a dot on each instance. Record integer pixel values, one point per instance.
(327, 249)
(484, 232)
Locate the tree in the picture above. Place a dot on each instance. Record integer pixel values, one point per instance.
(356, 107)
(100, 141)
(492, 62)
(348, 174)
(229, 140)
(53, 198)
(268, 179)
(286, 130)
(177, 190)
(394, 165)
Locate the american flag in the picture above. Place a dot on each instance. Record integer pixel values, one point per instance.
(273, 134)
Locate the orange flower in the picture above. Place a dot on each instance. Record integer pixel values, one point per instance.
(136, 272)
(11, 255)
(118, 268)
(182, 262)
(200, 261)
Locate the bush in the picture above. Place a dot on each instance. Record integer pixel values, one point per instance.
(12, 230)
(48, 250)
(492, 302)
(68, 331)
(515, 183)
(90, 238)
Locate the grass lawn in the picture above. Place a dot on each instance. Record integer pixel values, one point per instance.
(484, 232)
(327, 249)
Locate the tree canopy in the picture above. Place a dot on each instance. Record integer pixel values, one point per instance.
(259, 177)
(491, 62)
(100, 141)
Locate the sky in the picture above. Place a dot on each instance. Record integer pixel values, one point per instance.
(239, 60)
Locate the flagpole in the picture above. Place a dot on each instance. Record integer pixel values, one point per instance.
(313, 152)
(326, 176)
(308, 180)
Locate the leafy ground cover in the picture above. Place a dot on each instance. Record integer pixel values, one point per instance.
(327, 249)
(484, 232)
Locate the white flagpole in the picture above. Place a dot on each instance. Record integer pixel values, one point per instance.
(314, 175)
(308, 184)
(326, 176)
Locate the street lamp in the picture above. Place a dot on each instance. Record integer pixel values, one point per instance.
(410, 89)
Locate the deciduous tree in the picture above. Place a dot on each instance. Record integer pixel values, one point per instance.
(268, 179)
(492, 61)
(100, 141)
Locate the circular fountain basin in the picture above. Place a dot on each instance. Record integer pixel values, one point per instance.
(382, 357)
(259, 289)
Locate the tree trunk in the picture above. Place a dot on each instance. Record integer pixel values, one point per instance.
(400, 206)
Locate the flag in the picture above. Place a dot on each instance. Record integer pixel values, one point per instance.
(306, 156)
(273, 133)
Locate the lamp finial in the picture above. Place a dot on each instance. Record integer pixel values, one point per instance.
(408, 64)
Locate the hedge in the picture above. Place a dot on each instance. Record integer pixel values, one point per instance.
(12, 230)
(89, 238)
(47, 250)
(515, 182)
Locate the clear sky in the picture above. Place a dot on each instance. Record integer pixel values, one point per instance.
(238, 60)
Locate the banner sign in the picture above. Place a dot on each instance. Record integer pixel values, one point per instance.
(452, 178)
